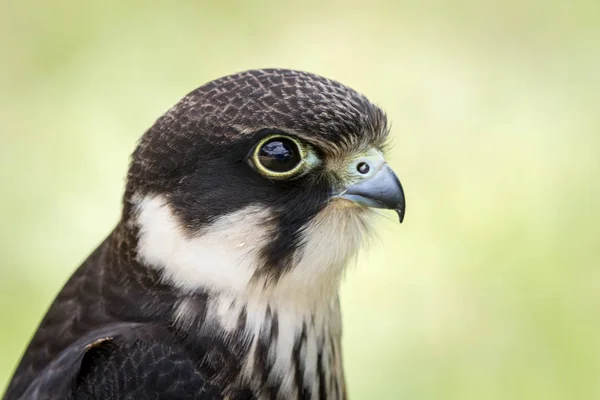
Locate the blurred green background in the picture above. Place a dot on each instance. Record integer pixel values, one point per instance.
(491, 287)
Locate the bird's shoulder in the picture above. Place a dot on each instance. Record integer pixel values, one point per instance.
(147, 364)
(124, 360)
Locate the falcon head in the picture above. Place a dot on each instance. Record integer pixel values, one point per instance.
(260, 183)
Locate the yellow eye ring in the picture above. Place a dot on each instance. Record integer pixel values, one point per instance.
(279, 156)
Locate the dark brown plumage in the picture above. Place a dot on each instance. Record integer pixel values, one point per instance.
(141, 317)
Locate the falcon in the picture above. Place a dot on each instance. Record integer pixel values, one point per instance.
(243, 205)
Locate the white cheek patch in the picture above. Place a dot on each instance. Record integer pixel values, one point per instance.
(224, 257)
(221, 258)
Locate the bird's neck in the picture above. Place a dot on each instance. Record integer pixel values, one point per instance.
(289, 325)
(283, 343)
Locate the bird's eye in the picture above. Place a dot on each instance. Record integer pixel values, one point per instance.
(279, 157)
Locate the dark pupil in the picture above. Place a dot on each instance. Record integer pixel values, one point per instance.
(363, 168)
(279, 155)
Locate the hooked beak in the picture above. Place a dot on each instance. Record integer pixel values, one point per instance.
(382, 190)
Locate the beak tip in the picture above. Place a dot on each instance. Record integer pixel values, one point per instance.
(400, 213)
